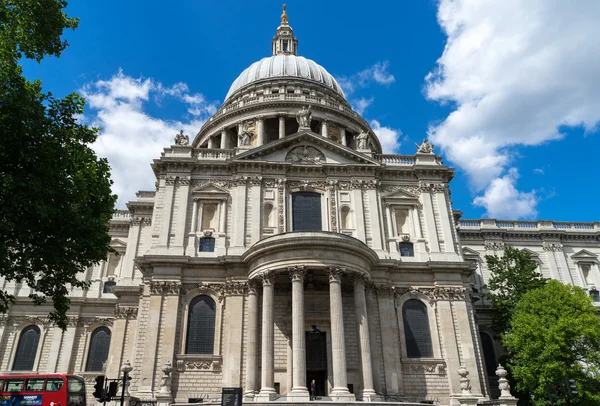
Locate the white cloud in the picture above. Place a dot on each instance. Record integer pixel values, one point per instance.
(130, 138)
(377, 73)
(515, 72)
(361, 104)
(387, 136)
(539, 171)
(503, 200)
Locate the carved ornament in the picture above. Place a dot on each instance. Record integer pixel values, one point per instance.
(305, 154)
(494, 245)
(165, 288)
(122, 312)
(552, 246)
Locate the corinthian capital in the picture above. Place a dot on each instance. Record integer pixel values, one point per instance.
(297, 273)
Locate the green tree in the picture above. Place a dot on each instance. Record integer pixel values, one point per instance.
(512, 275)
(555, 336)
(55, 197)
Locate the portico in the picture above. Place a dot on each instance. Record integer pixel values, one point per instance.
(325, 262)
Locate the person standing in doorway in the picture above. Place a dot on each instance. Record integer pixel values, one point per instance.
(313, 390)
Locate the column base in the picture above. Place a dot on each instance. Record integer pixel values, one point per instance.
(249, 396)
(164, 399)
(266, 395)
(342, 395)
(298, 395)
(371, 396)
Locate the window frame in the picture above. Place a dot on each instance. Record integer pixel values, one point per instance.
(187, 300)
(89, 344)
(20, 328)
(325, 226)
(433, 330)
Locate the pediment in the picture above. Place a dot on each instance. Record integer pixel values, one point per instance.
(400, 194)
(533, 254)
(306, 148)
(585, 255)
(210, 191)
(118, 244)
(469, 252)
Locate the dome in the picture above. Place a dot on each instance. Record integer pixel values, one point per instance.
(285, 66)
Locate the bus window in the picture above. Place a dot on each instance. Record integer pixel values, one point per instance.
(34, 385)
(54, 384)
(14, 385)
(1, 384)
(76, 391)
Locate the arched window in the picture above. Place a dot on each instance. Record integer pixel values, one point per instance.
(200, 338)
(306, 211)
(488, 353)
(27, 349)
(416, 329)
(268, 216)
(345, 218)
(98, 352)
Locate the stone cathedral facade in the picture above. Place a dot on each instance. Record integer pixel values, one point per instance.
(281, 246)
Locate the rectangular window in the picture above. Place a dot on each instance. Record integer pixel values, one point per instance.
(54, 384)
(109, 286)
(207, 244)
(285, 46)
(406, 249)
(35, 384)
(14, 385)
(306, 211)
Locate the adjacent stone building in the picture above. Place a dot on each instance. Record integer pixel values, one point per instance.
(282, 246)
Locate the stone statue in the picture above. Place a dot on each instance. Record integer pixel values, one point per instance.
(361, 140)
(304, 116)
(425, 147)
(245, 134)
(165, 382)
(182, 139)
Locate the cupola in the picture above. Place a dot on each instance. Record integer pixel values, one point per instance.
(284, 42)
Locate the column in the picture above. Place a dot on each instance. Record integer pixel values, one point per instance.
(211, 142)
(340, 390)
(299, 391)
(267, 387)
(147, 370)
(450, 345)
(281, 126)
(432, 236)
(233, 341)
(224, 138)
(67, 347)
(373, 338)
(251, 340)
(364, 341)
(180, 222)
(191, 245)
(239, 132)
(260, 129)
(446, 220)
(324, 129)
(165, 227)
(389, 340)
(343, 135)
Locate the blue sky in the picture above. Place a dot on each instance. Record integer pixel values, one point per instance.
(508, 91)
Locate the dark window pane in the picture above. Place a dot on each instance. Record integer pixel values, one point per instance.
(99, 346)
(406, 249)
(34, 384)
(201, 326)
(416, 329)
(109, 286)
(27, 349)
(306, 211)
(488, 354)
(207, 244)
(14, 385)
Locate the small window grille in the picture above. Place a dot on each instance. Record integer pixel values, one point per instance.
(207, 244)
(109, 286)
(306, 211)
(406, 249)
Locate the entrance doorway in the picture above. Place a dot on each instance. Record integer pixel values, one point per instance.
(316, 361)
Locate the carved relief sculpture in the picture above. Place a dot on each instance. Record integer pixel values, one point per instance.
(245, 135)
(305, 154)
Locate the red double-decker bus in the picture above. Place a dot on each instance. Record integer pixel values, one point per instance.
(45, 390)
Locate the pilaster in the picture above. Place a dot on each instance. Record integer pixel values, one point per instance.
(165, 227)
(232, 342)
(238, 218)
(184, 196)
(432, 236)
(389, 340)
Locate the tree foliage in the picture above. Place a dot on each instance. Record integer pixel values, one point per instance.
(555, 336)
(55, 197)
(512, 275)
